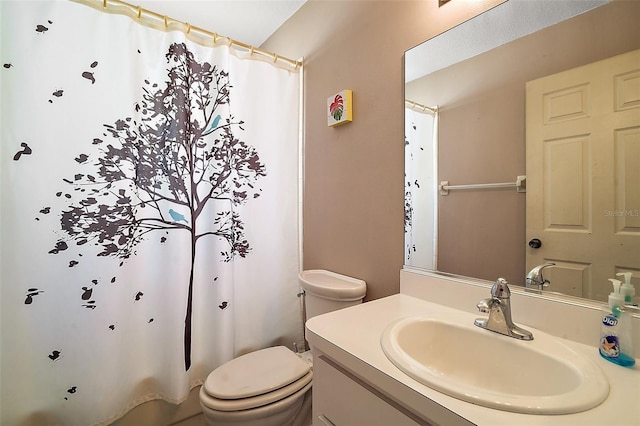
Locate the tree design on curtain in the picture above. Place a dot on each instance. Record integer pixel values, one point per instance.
(163, 168)
(408, 205)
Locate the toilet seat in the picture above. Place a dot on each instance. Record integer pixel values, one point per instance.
(255, 379)
(256, 401)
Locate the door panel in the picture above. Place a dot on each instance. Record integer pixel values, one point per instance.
(567, 184)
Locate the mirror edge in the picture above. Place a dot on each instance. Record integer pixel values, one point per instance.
(515, 288)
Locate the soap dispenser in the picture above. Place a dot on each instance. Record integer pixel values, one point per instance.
(615, 337)
(627, 289)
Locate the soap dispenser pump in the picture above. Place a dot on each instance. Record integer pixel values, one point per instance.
(615, 337)
(616, 298)
(627, 290)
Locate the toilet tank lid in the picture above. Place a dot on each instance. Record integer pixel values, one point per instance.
(331, 285)
(255, 373)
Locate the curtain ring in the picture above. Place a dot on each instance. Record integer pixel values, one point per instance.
(275, 58)
(104, 4)
(139, 12)
(188, 28)
(166, 24)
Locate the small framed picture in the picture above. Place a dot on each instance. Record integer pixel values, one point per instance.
(340, 108)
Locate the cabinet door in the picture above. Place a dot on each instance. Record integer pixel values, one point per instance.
(341, 401)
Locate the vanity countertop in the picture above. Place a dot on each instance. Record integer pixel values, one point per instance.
(351, 337)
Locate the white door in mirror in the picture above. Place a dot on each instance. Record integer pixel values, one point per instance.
(583, 151)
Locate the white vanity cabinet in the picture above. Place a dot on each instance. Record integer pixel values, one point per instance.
(342, 399)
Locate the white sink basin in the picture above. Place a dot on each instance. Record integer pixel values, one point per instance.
(446, 352)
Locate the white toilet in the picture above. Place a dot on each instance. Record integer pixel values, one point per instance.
(270, 387)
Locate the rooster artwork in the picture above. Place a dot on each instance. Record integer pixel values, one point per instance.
(340, 109)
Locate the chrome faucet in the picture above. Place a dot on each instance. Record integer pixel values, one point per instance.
(535, 278)
(499, 309)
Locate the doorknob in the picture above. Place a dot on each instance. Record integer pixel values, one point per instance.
(535, 243)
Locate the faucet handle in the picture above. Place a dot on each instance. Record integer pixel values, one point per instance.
(483, 306)
(500, 289)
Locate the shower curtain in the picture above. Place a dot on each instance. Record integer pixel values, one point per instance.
(149, 199)
(421, 196)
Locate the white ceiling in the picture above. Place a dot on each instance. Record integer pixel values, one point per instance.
(247, 21)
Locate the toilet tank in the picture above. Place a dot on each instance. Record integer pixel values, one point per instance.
(327, 291)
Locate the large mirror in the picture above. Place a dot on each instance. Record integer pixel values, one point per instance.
(490, 190)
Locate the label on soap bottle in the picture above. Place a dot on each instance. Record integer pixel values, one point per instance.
(610, 320)
(609, 343)
(609, 346)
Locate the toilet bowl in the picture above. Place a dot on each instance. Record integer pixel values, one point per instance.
(270, 387)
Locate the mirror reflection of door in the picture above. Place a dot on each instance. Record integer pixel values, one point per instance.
(583, 169)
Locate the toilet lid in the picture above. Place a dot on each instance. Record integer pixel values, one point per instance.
(256, 373)
(331, 286)
(292, 390)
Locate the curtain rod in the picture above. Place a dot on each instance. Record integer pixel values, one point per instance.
(416, 105)
(197, 34)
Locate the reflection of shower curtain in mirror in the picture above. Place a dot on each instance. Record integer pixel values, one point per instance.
(421, 197)
(149, 206)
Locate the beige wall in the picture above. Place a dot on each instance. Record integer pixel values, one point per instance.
(353, 183)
